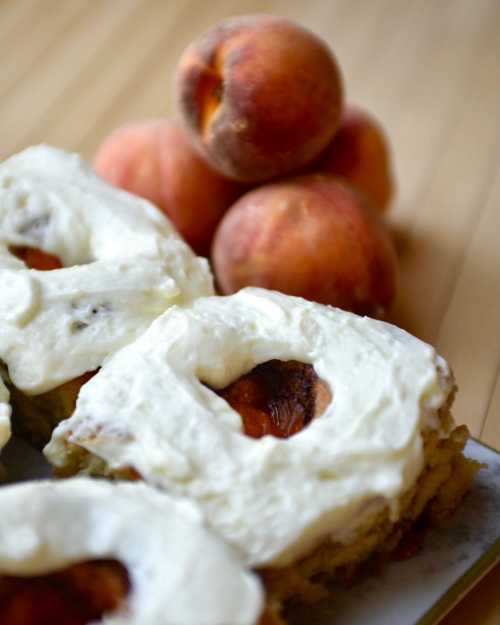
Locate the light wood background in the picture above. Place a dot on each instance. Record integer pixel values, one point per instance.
(71, 70)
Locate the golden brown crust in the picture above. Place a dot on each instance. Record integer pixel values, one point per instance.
(35, 416)
(271, 616)
(446, 478)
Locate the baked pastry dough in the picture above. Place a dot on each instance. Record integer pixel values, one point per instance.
(150, 409)
(178, 572)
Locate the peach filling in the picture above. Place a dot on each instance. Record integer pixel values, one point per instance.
(76, 595)
(277, 398)
(35, 258)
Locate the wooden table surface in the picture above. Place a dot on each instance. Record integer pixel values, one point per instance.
(72, 70)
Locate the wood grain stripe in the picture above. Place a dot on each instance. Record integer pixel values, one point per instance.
(34, 40)
(470, 335)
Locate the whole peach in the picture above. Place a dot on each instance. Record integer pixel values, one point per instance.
(155, 160)
(360, 153)
(312, 236)
(261, 95)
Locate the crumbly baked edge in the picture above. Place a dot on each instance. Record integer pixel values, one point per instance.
(441, 486)
(34, 417)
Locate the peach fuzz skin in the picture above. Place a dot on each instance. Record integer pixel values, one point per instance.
(261, 96)
(360, 153)
(155, 160)
(311, 236)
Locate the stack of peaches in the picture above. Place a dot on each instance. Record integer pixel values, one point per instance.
(267, 172)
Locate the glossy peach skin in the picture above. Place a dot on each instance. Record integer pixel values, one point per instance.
(360, 153)
(312, 236)
(261, 96)
(155, 160)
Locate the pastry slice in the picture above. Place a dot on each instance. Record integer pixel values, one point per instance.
(312, 439)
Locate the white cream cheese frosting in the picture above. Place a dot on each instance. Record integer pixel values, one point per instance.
(273, 499)
(56, 325)
(123, 261)
(180, 574)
